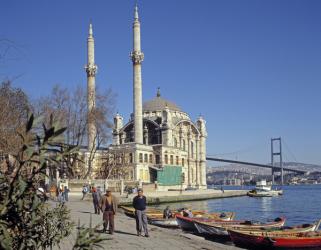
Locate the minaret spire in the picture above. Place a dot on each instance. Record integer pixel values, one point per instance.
(137, 57)
(136, 12)
(90, 33)
(91, 70)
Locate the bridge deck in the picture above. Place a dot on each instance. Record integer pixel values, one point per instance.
(256, 165)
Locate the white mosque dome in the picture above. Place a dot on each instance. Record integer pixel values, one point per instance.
(159, 103)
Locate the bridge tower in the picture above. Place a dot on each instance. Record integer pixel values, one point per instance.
(275, 154)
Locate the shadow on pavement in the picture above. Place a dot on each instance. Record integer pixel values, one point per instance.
(84, 212)
(121, 232)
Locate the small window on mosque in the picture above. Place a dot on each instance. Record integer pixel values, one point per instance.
(157, 159)
(184, 146)
(166, 159)
(183, 162)
(177, 160)
(145, 158)
(172, 160)
(130, 158)
(175, 142)
(140, 157)
(150, 158)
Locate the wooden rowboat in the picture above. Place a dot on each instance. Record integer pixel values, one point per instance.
(157, 213)
(277, 240)
(175, 222)
(221, 228)
(151, 212)
(187, 223)
(169, 223)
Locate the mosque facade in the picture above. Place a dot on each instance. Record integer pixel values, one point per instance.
(160, 143)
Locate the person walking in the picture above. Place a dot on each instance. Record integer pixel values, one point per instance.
(61, 198)
(66, 193)
(108, 205)
(99, 192)
(84, 191)
(96, 200)
(139, 203)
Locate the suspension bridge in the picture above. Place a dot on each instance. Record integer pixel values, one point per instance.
(275, 152)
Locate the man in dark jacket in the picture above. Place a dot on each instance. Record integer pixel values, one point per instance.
(108, 205)
(96, 199)
(139, 203)
(66, 193)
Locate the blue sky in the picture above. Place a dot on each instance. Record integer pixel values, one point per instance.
(251, 68)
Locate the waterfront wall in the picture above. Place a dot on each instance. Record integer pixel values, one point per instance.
(176, 196)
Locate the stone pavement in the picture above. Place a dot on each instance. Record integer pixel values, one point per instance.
(125, 233)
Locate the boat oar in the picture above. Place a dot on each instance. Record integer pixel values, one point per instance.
(317, 225)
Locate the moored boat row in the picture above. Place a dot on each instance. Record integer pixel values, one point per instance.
(156, 217)
(250, 234)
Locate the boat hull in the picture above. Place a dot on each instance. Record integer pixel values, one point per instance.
(204, 229)
(168, 223)
(273, 240)
(221, 228)
(271, 193)
(187, 223)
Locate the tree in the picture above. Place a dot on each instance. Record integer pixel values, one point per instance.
(115, 164)
(70, 109)
(26, 222)
(24, 218)
(14, 109)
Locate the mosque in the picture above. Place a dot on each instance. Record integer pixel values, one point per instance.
(160, 144)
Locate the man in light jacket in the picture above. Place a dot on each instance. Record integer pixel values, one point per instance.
(108, 205)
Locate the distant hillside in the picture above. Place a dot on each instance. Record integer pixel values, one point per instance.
(264, 171)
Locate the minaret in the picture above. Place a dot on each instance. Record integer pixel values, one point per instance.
(91, 69)
(137, 57)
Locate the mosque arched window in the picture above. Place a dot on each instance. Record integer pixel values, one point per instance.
(184, 146)
(157, 159)
(140, 157)
(166, 159)
(177, 160)
(183, 162)
(172, 160)
(192, 149)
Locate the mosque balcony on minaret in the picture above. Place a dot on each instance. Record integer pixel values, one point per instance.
(137, 57)
(91, 70)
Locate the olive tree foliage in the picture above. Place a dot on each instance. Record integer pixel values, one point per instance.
(88, 238)
(25, 221)
(69, 107)
(14, 109)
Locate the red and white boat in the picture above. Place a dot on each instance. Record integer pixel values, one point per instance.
(277, 240)
(187, 223)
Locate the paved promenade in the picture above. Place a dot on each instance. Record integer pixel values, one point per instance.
(125, 233)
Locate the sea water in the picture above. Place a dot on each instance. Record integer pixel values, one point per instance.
(299, 204)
